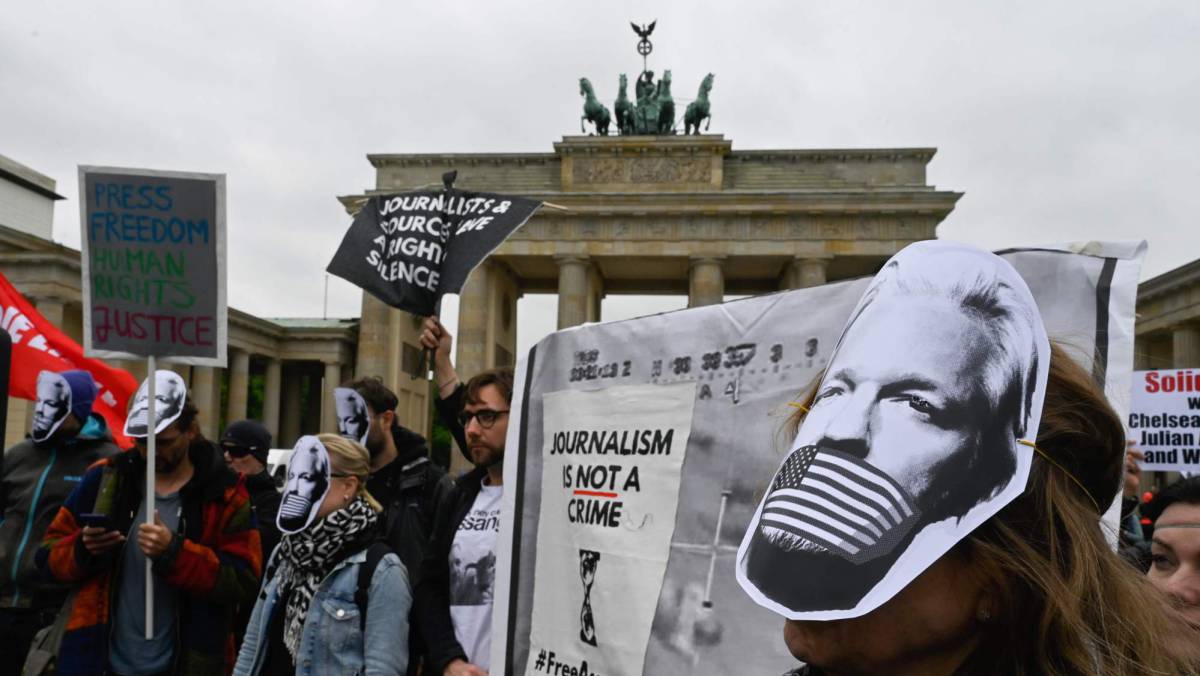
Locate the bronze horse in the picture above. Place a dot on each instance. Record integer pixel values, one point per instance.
(698, 110)
(593, 110)
(624, 109)
(666, 105)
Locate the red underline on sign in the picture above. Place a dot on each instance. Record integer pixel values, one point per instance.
(596, 494)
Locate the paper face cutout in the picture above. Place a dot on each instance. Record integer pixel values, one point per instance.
(307, 483)
(52, 406)
(170, 394)
(353, 416)
(911, 441)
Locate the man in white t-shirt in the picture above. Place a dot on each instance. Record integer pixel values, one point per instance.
(454, 596)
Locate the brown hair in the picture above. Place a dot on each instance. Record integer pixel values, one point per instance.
(1063, 603)
(501, 377)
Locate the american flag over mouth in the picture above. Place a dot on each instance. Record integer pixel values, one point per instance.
(838, 503)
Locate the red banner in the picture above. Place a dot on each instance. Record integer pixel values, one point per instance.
(40, 346)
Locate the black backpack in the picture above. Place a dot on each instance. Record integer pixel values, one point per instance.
(375, 552)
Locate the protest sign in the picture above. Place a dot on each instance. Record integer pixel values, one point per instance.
(1164, 419)
(408, 249)
(153, 264)
(610, 488)
(38, 345)
(746, 360)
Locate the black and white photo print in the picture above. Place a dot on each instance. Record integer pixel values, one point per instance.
(911, 440)
(53, 405)
(170, 394)
(307, 483)
(353, 416)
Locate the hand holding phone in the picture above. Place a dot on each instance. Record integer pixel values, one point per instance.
(98, 535)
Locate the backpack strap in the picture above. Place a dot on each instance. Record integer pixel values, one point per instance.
(375, 552)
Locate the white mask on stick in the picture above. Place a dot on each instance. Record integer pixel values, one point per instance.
(307, 483)
(912, 441)
(353, 416)
(170, 394)
(52, 406)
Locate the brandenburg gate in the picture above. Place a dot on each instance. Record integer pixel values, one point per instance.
(674, 214)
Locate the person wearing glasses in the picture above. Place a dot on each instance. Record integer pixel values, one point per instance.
(246, 444)
(201, 542)
(454, 596)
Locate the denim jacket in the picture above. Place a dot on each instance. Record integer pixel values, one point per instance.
(332, 642)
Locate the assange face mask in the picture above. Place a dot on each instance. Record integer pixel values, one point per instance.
(353, 417)
(307, 483)
(53, 405)
(913, 437)
(170, 394)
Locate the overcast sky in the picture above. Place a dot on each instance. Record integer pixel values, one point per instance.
(1060, 121)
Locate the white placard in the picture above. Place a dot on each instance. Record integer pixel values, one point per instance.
(1164, 419)
(610, 489)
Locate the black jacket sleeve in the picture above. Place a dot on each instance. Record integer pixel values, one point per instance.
(448, 410)
(432, 595)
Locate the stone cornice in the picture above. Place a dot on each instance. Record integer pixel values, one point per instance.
(68, 259)
(457, 159)
(1170, 281)
(835, 155)
(607, 145)
(733, 202)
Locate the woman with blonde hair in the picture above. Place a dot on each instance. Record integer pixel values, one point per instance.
(333, 598)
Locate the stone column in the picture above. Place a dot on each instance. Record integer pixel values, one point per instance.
(53, 310)
(333, 372)
(595, 293)
(706, 281)
(271, 396)
(1185, 341)
(203, 392)
(473, 318)
(289, 422)
(572, 290)
(803, 273)
(374, 341)
(239, 385)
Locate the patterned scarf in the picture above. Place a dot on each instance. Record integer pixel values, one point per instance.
(305, 558)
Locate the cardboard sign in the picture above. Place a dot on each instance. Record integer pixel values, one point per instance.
(153, 264)
(610, 488)
(1164, 419)
(409, 249)
(746, 360)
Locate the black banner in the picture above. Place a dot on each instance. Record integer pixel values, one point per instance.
(407, 249)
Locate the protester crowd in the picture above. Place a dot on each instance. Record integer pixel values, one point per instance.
(373, 560)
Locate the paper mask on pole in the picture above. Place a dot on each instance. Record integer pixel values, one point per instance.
(353, 416)
(912, 439)
(170, 394)
(52, 406)
(307, 483)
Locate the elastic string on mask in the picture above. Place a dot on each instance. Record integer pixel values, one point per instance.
(798, 405)
(1064, 470)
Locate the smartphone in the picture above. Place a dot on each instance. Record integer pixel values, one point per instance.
(96, 521)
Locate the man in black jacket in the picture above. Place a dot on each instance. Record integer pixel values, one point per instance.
(405, 482)
(454, 597)
(36, 476)
(246, 444)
